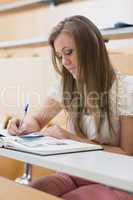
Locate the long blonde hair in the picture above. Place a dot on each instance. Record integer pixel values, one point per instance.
(95, 72)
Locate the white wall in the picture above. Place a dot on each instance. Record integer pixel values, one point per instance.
(24, 80)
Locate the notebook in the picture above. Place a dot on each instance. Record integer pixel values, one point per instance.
(37, 143)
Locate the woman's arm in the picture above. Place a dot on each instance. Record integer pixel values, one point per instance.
(60, 133)
(48, 111)
(35, 122)
(126, 137)
(114, 149)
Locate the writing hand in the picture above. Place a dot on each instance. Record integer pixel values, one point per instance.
(29, 125)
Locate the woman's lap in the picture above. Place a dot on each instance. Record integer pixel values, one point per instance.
(74, 188)
(55, 184)
(96, 192)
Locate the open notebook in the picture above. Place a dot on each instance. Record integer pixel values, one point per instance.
(37, 143)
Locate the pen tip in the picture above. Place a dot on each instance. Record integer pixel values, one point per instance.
(26, 107)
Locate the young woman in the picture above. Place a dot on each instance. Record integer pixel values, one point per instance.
(98, 99)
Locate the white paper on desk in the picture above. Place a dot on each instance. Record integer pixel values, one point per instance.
(45, 145)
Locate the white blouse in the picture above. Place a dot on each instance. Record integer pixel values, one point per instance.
(121, 99)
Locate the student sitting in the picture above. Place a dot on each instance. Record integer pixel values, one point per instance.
(98, 99)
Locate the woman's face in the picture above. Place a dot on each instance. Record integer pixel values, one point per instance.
(66, 52)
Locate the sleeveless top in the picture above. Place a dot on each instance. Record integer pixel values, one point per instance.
(121, 104)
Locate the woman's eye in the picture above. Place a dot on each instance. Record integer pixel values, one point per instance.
(68, 52)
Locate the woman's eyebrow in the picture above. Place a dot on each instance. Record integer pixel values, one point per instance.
(64, 48)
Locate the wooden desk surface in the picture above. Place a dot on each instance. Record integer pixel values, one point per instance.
(13, 191)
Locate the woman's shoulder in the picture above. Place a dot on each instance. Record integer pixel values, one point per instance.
(122, 82)
(121, 93)
(123, 77)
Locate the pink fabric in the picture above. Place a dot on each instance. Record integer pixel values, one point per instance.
(74, 188)
(96, 192)
(57, 184)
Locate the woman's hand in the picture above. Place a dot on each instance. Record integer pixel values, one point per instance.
(29, 125)
(60, 133)
(57, 132)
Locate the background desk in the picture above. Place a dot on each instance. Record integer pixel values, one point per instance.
(117, 34)
(103, 167)
(13, 191)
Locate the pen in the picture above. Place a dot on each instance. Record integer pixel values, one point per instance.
(25, 113)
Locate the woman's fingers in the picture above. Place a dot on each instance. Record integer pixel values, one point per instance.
(19, 127)
(13, 126)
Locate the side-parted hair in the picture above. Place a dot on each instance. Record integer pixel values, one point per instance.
(89, 92)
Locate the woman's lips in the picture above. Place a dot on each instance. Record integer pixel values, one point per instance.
(71, 68)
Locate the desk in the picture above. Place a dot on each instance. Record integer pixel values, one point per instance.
(117, 34)
(100, 166)
(13, 191)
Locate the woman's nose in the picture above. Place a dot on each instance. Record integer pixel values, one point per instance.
(65, 61)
